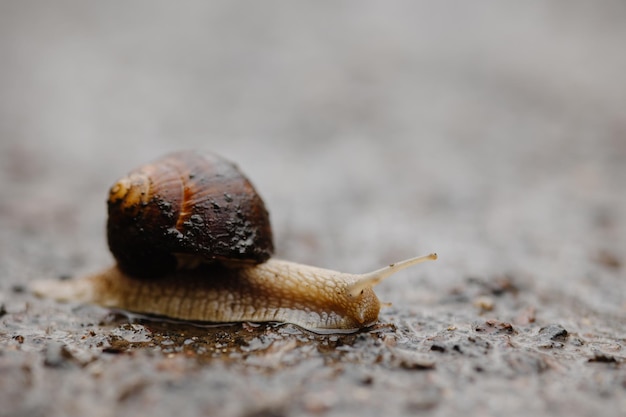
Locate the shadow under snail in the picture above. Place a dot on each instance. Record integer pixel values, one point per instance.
(192, 241)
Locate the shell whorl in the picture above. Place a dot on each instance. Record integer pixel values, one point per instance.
(186, 205)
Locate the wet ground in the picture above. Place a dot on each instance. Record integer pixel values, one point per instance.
(494, 135)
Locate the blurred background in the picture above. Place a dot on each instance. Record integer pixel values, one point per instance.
(492, 133)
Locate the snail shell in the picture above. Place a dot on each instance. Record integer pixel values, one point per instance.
(183, 209)
(192, 240)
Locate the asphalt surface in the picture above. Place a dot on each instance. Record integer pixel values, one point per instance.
(492, 134)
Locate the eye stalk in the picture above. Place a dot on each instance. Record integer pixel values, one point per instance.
(371, 279)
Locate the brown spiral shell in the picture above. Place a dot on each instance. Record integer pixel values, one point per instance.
(186, 205)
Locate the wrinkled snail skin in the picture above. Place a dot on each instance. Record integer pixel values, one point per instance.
(275, 291)
(192, 241)
(317, 299)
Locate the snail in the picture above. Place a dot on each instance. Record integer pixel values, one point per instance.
(192, 241)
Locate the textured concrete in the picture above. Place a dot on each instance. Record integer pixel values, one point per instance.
(492, 134)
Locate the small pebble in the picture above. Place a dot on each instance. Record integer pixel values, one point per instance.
(554, 332)
(552, 336)
(408, 359)
(602, 357)
(494, 327)
(57, 356)
(484, 303)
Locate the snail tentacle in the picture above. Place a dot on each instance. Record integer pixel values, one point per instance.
(373, 278)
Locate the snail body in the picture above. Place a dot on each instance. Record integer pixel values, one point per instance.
(313, 298)
(228, 276)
